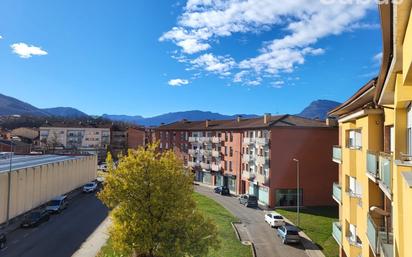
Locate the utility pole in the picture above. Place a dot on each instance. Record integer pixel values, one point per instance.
(297, 190)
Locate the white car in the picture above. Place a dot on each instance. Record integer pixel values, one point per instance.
(274, 219)
(90, 187)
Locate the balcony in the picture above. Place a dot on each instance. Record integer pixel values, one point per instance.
(337, 232)
(337, 193)
(205, 166)
(248, 140)
(248, 158)
(193, 139)
(262, 179)
(192, 151)
(215, 153)
(206, 152)
(262, 160)
(215, 140)
(205, 140)
(385, 173)
(192, 164)
(380, 240)
(216, 167)
(372, 162)
(337, 154)
(262, 141)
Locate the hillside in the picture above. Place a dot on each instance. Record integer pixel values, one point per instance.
(318, 109)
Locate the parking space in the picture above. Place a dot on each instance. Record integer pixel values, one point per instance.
(264, 237)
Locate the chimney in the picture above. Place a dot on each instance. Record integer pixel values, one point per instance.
(207, 123)
(238, 118)
(266, 118)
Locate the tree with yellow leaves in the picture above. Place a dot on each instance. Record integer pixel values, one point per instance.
(153, 210)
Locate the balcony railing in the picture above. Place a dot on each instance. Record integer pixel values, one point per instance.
(248, 140)
(192, 151)
(385, 171)
(205, 166)
(385, 244)
(372, 234)
(262, 141)
(192, 164)
(193, 139)
(262, 160)
(216, 167)
(205, 140)
(248, 158)
(215, 153)
(337, 154)
(206, 152)
(337, 232)
(372, 162)
(215, 140)
(337, 192)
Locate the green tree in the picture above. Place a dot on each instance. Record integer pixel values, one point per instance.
(153, 210)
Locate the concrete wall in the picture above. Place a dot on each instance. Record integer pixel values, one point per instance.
(31, 187)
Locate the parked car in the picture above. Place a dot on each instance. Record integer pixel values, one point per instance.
(288, 234)
(223, 190)
(274, 219)
(35, 218)
(57, 204)
(90, 187)
(248, 200)
(3, 241)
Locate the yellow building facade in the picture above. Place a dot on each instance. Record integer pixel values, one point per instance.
(374, 190)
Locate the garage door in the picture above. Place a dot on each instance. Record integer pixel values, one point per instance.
(207, 178)
(264, 195)
(219, 180)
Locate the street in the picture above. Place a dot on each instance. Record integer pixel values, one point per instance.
(264, 237)
(62, 235)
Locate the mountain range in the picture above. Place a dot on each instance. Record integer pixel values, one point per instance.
(12, 106)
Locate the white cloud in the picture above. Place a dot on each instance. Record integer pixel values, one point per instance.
(377, 58)
(178, 82)
(303, 23)
(26, 51)
(1, 37)
(220, 65)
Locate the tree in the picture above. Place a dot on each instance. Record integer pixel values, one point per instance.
(153, 210)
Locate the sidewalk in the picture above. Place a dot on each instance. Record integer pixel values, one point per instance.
(93, 244)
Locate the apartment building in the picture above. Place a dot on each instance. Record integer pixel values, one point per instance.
(374, 189)
(124, 138)
(255, 156)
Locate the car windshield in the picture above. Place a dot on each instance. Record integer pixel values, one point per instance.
(292, 232)
(278, 217)
(252, 197)
(54, 203)
(89, 185)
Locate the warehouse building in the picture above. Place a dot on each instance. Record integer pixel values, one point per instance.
(32, 180)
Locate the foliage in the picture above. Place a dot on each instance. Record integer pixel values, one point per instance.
(154, 213)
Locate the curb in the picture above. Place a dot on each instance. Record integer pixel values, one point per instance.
(252, 245)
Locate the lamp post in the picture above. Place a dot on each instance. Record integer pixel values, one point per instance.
(297, 190)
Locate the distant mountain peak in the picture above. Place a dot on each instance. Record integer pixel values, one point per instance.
(318, 109)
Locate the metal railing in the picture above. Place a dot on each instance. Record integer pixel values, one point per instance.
(337, 153)
(262, 160)
(192, 164)
(215, 153)
(372, 163)
(248, 158)
(380, 238)
(337, 192)
(205, 166)
(216, 167)
(337, 232)
(215, 140)
(385, 170)
(262, 140)
(193, 139)
(248, 140)
(192, 151)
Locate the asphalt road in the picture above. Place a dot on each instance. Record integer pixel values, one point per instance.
(62, 235)
(264, 237)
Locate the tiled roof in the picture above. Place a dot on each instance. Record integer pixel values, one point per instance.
(250, 123)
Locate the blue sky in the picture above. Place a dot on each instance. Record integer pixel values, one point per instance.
(152, 57)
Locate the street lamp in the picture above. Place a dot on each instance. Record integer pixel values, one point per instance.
(297, 190)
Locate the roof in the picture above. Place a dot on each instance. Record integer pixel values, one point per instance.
(74, 125)
(26, 161)
(361, 98)
(250, 123)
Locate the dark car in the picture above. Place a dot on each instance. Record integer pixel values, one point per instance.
(3, 241)
(248, 200)
(35, 218)
(223, 190)
(288, 234)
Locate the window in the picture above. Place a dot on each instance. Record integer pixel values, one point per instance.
(230, 151)
(354, 139)
(409, 129)
(225, 165)
(288, 197)
(230, 165)
(231, 137)
(354, 188)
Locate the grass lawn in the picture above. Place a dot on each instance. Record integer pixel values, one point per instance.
(316, 222)
(230, 245)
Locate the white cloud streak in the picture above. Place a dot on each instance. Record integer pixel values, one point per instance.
(178, 82)
(26, 51)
